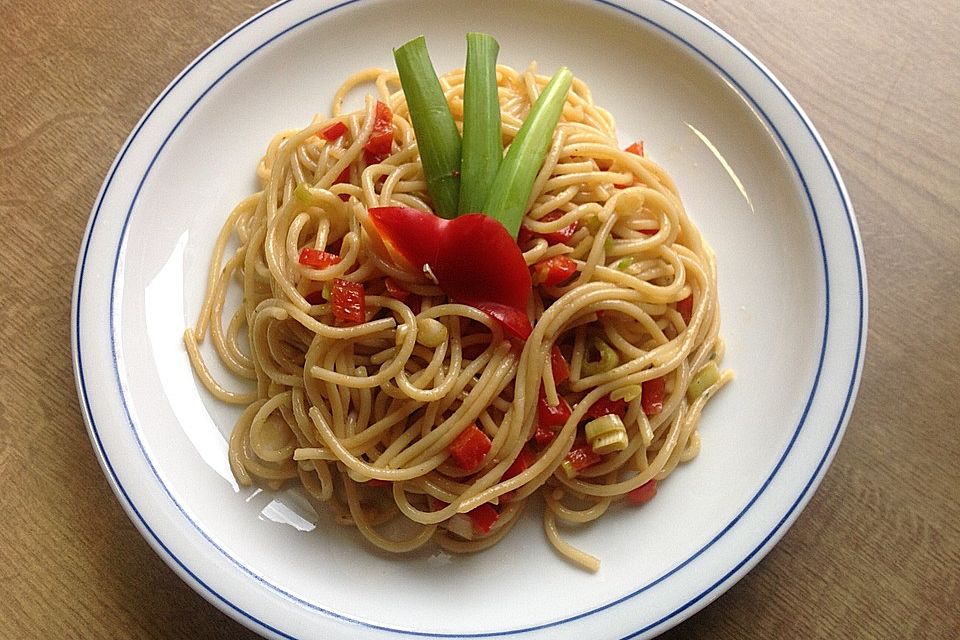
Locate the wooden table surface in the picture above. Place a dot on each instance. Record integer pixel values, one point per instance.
(876, 554)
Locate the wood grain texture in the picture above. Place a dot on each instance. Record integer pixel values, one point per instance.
(876, 554)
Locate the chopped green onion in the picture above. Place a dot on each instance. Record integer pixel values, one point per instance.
(628, 393)
(607, 434)
(624, 263)
(507, 201)
(608, 359)
(302, 194)
(482, 148)
(593, 224)
(431, 332)
(437, 136)
(708, 376)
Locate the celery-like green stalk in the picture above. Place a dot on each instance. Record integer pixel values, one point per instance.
(482, 148)
(507, 201)
(438, 139)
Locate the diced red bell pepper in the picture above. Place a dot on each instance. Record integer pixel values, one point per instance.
(469, 448)
(376, 482)
(395, 290)
(483, 518)
(644, 493)
(514, 321)
(651, 399)
(524, 459)
(333, 131)
(315, 297)
(582, 456)
(378, 145)
(473, 257)
(636, 148)
(317, 259)
(555, 270)
(685, 308)
(551, 416)
(559, 366)
(561, 236)
(605, 406)
(344, 176)
(349, 303)
(544, 435)
(524, 235)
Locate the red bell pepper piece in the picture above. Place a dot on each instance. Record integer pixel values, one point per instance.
(685, 308)
(605, 406)
(524, 459)
(378, 145)
(333, 131)
(317, 259)
(514, 321)
(544, 435)
(483, 518)
(651, 399)
(315, 297)
(636, 148)
(549, 418)
(347, 298)
(555, 270)
(582, 456)
(469, 448)
(473, 258)
(552, 416)
(561, 236)
(344, 176)
(644, 493)
(376, 482)
(559, 366)
(394, 290)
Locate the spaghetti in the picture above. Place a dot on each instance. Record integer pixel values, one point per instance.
(366, 415)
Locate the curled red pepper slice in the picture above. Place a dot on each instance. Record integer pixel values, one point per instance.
(472, 258)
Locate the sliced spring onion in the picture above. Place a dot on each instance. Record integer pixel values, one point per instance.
(510, 191)
(607, 434)
(482, 148)
(708, 376)
(608, 359)
(437, 136)
(431, 332)
(624, 263)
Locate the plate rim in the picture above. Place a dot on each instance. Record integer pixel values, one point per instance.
(683, 611)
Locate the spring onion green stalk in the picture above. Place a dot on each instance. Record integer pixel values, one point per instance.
(437, 136)
(482, 148)
(507, 201)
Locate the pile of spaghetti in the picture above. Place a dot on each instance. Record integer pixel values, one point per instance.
(415, 416)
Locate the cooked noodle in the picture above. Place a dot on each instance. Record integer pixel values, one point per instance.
(335, 406)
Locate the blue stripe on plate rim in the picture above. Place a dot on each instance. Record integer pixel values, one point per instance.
(688, 606)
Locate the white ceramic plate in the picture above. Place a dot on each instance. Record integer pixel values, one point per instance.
(754, 175)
